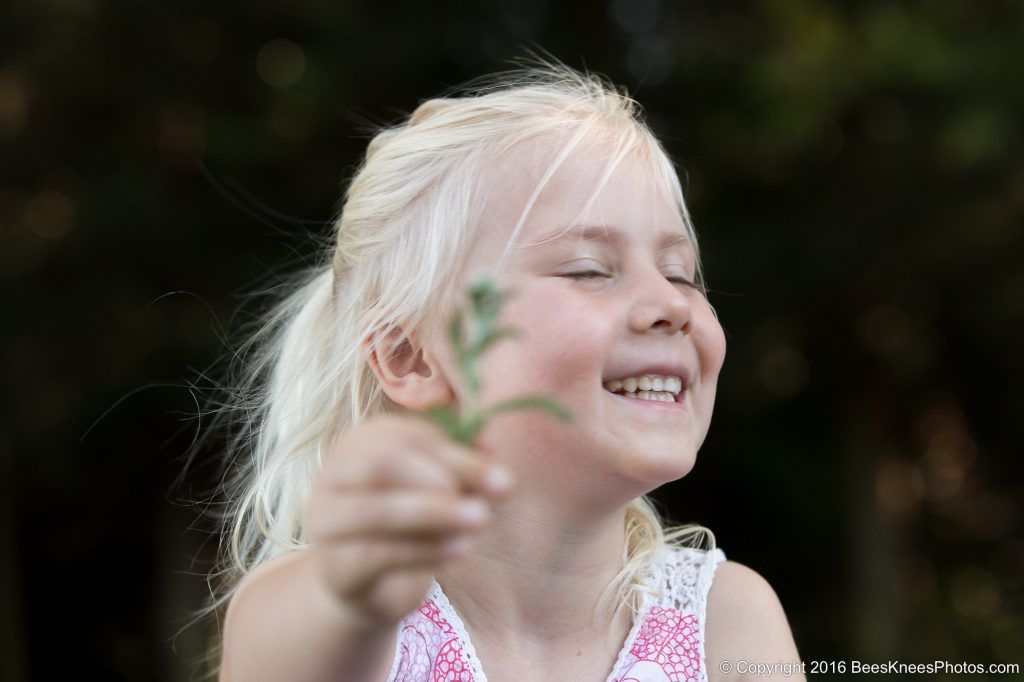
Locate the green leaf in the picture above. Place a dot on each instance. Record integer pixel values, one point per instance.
(455, 331)
(470, 426)
(486, 298)
(485, 305)
(530, 402)
(489, 338)
(447, 418)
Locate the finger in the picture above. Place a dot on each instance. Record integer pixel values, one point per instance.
(368, 560)
(476, 470)
(395, 512)
(386, 456)
(411, 452)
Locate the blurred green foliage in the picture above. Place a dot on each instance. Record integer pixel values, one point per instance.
(473, 329)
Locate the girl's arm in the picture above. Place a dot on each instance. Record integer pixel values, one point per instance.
(284, 623)
(746, 622)
(395, 501)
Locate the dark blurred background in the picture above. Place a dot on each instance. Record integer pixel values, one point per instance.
(856, 173)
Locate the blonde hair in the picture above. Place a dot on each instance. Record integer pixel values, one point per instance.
(405, 228)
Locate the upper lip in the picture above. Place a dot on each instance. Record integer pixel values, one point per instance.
(666, 369)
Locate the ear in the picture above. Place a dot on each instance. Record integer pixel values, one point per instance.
(409, 374)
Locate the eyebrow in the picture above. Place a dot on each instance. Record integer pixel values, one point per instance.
(611, 233)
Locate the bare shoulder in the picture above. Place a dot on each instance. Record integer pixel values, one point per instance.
(259, 575)
(746, 622)
(250, 583)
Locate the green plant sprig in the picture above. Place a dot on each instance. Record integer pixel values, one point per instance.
(485, 301)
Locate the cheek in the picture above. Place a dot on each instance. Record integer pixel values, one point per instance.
(709, 338)
(559, 346)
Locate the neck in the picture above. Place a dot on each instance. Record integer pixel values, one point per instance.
(535, 575)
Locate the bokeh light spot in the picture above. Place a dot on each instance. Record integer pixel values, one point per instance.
(784, 371)
(892, 332)
(14, 99)
(49, 214)
(896, 489)
(280, 63)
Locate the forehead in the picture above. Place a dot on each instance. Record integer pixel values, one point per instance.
(614, 235)
(527, 206)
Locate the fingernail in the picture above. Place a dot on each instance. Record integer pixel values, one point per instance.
(472, 511)
(497, 479)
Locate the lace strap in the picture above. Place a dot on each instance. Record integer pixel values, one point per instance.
(455, 621)
(685, 579)
(705, 576)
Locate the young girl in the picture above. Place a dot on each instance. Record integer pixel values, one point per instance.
(365, 544)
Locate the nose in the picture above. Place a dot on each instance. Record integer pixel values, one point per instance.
(660, 305)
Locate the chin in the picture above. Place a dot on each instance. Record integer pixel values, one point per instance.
(658, 470)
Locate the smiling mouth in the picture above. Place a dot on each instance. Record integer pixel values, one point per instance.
(653, 387)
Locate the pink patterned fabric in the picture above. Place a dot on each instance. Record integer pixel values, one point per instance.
(665, 645)
(430, 649)
(665, 648)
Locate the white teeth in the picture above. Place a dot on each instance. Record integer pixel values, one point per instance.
(648, 382)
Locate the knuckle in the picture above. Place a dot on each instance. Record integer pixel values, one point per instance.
(375, 553)
(392, 462)
(371, 513)
(435, 512)
(442, 513)
(379, 465)
(344, 516)
(395, 515)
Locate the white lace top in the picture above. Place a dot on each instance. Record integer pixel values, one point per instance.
(666, 644)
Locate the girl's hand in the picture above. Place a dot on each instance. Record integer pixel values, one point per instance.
(395, 500)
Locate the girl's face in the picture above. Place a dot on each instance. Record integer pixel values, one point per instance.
(589, 311)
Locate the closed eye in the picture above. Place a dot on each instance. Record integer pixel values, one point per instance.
(589, 274)
(586, 274)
